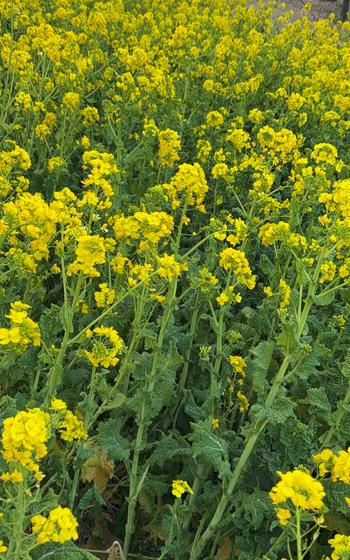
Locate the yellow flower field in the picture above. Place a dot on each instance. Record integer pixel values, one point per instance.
(174, 281)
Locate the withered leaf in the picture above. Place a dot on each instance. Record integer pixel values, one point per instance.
(98, 469)
(225, 550)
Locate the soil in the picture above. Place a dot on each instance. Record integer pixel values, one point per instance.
(321, 9)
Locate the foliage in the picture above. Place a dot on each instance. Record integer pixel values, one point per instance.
(175, 278)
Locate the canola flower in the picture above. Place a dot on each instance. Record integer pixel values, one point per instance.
(60, 526)
(299, 489)
(24, 439)
(157, 113)
(106, 345)
(179, 487)
(23, 331)
(337, 465)
(341, 547)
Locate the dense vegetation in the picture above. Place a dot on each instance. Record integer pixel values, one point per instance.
(175, 281)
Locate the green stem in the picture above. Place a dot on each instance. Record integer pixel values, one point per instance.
(298, 535)
(124, 368)
(20, 517)
(74, 488)
(201, 540)
(341, 411)
(135, 480)
(90, 397)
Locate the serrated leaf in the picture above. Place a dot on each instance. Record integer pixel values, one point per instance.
(278, 413)
(67, 551)
(91, 497)
(110, 440)
(98, 469)
(346, 366)
(317, 397)
(191, 408)
(169, 448)
(309, 364)
(210, 449)
(287, 339)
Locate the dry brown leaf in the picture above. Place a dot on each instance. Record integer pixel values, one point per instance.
(98, 469)
(115, 552)
(225, 550)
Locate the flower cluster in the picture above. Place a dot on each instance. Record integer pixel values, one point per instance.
(106, 345)
(23, 330)
(299, 489)
(235, 261)
(179, 487)
(337, 465)
(60, 526)
(24, 439)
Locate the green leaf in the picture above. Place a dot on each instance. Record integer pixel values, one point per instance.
(211, 449)
(324, 299)
(287, 339)
(278, 413)
(260, 365)
(309, 364)
(194, 411)
(110, 440)
(317, 397)
(170, 448)
(67, 551)
(346, 366)
(91, 497)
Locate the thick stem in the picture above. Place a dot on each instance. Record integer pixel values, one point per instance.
(298, 535)
(202, 540)
(135, 481)
(20, 517)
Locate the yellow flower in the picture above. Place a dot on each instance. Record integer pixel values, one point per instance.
(91, 250)
(285, 294)
(341, 546)
(222, 299)
(189, 181)
(90, 116)
(215, 423)
(15, 476)
(283, 515)
(105, 296)
(270, 233)
(243, 402)
(325, 153)
(169, 268)
(327, 272)
(71, 101)
(235, 260)
(58, 405)
(71, 427)
(55, 163)
(106, 345)
(299, 488)
(169, 147)
(179, 487)
(214, 119)
(60, 526)
(268, 291)
(3, 548)
(24, 438)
